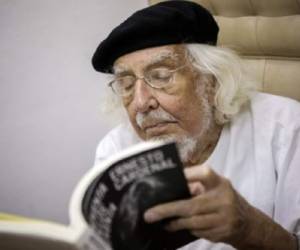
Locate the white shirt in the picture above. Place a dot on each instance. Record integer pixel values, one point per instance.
(259, 151)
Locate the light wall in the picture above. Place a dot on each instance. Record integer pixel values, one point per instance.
(50, 97)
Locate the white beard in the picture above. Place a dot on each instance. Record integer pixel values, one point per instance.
(186, 144)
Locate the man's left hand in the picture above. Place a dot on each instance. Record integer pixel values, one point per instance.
(217, 212)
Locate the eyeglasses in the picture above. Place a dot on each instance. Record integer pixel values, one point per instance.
(157, 78)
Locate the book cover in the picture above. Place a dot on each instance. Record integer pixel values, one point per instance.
(116, 201)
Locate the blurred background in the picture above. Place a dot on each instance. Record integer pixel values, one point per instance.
(50, 97)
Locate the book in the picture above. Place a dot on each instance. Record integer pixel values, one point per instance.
(107, 206)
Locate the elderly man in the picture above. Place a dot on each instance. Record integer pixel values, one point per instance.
(241, 149)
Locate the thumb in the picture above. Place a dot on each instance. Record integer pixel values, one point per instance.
(204, 174)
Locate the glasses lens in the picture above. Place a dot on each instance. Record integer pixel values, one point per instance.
(123, 86)
(159, 77)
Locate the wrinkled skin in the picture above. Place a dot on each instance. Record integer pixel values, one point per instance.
(193, 114)
(220, 214)
(216, 211)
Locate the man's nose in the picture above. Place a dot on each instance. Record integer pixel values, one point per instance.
(144, 99)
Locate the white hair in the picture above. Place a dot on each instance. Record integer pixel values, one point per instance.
(111, 104)
(233, 85)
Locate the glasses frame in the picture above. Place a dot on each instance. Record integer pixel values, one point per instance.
(144, 78)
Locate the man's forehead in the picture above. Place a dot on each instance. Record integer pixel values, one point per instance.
(149, 56)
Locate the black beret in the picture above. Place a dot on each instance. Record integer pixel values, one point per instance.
(170, 22)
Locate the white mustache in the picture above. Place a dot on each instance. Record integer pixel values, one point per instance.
(157, 115)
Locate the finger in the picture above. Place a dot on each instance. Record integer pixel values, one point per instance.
(196, 188)
(198, 222)
(213, 234)
(167, 210)
(201, 204)
(204, 174)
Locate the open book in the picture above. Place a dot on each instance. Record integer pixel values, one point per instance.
(107, 206)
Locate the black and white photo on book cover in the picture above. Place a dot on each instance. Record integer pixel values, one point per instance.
(118, 199)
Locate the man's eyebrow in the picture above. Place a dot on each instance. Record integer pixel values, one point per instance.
(165, 55)
(120, 69)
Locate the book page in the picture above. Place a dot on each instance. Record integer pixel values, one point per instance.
(35, 235)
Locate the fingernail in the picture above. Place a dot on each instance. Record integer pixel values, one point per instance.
(149, 216)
